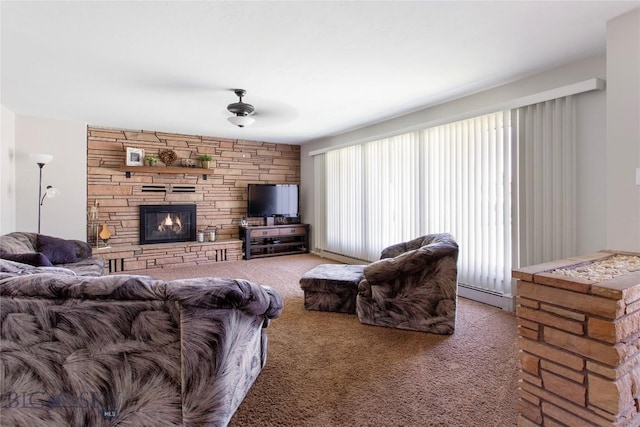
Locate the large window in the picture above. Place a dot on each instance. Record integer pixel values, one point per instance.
(453, 178)
(500, 183)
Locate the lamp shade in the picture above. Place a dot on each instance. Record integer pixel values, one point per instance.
(52, 192)
(41, 158)
(241, 121)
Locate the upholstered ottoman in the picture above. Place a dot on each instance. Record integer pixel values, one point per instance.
(332, 287)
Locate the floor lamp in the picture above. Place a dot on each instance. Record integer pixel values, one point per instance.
(41, 160)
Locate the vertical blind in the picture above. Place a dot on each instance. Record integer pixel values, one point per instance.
(467, 186)
(319, 203)
(344, 211)
(547, 185)
(392, 192)
(493, 182)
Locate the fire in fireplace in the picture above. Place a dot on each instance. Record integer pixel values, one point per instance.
(167, 223)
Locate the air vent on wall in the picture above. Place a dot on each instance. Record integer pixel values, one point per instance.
(172, 189)
(183, 189)
(154, 189)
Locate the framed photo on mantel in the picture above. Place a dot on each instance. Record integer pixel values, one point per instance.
(135, 156)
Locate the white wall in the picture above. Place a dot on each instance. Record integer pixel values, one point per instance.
(7, 171)
(590, 106)
(623, 132)
(65, 215)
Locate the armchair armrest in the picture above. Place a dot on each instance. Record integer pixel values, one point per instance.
(239, 294)
(51, 284)
(429, 239)
(208, 292)
(410, 262)
(83, 249)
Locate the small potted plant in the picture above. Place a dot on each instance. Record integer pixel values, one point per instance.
(204, 160)
(151, 160)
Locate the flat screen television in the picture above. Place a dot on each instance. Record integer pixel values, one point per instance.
(272, 200)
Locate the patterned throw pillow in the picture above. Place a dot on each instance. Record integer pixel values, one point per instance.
(34, 259)
(59, 251)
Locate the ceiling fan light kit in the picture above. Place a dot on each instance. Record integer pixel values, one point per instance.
(241, 111)
(241, 121)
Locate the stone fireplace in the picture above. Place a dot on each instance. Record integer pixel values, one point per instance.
(167, 223)
(220, 199)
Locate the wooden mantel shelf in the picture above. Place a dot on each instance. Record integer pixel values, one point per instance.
(166, 170)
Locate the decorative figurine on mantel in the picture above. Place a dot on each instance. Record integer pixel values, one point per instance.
(104, 235)
(168, 157)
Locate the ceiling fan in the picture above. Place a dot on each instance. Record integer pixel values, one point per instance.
(241, 111)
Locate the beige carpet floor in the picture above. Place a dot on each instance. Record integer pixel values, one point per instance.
(327, 369)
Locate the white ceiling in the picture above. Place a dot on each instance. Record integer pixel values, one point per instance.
(311, 69)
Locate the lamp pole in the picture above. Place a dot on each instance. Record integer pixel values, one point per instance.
(41, 165)
(41, 160)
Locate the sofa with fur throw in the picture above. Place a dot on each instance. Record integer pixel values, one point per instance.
(128, 350)
(414, 285)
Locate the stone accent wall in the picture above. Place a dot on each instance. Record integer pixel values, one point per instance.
(221, 198)
(579, 347)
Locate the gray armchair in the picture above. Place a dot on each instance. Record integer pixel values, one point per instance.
(413, 286)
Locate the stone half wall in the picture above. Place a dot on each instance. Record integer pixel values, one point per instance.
(220, 199)
(579, 346)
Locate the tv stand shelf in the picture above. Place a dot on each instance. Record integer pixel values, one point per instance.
(273, 240)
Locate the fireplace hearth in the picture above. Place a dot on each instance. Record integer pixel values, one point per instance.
(167, 223)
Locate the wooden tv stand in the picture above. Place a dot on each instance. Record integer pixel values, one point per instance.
(273, 240)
